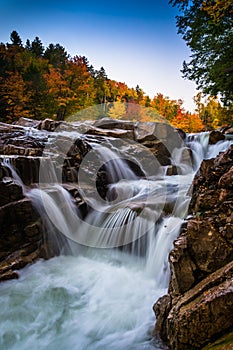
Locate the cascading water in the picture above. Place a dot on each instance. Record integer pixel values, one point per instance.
(101, 297)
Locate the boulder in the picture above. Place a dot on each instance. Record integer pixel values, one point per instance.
(108, 123)
(31, 123)
(198, 316)
(117, 133)
(215, 136)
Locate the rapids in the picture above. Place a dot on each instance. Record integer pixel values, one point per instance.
(95, 296)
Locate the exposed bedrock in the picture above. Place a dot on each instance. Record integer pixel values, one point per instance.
(199, 306)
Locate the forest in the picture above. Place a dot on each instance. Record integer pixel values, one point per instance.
(38, 82)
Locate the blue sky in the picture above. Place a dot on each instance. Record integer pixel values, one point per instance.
(135, 41)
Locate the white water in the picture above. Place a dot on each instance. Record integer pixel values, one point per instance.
(100, 299)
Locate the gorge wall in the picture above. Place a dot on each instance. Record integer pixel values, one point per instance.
(199, 305)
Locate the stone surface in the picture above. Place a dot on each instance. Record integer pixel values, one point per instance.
(215, 136)
(31, 123)
(199, 305)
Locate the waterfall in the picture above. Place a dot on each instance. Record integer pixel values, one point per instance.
(113, 265)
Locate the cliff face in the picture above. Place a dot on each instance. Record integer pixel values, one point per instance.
(199, 306)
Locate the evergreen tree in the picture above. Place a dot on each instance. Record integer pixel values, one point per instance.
(15, 39)
(56, 55)
(37, 47)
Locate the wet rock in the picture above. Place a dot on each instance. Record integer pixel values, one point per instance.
(182, 133)
(229, 131)
(26, 167)
(207, 248)
(226, 181)
(200, 288)
(117, 133)
(10, 191)
(108, 123)
(32, 123)
(215, 308)
(161, 310)
(201, 314)
(171, 170)
(215, 136)
(49, 125)
(183, 268)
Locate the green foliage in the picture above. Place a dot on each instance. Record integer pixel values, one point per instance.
(207, 28)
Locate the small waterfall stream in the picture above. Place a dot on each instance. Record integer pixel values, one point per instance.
(98, 294)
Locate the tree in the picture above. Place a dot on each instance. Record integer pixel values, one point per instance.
(81, 82)
(165, 106)
(207, 28)
(15, 38)
(36, 88)
(211, 111)
(36, 47)
(140, 94)
(56, 55)
(187, 122)
(117, 111)
(12, 94)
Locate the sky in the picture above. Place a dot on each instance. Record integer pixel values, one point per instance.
(136, 41)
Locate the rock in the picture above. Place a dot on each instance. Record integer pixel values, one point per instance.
(206, 246)
(117, 133)
(182, 267)
(32, 123)
(108, 123)
(229, 131)
(223, 343)
(226, 180)
(49, 125)
(10, 191)
(198, 308)
(215, 136)
(215, 310)
(171, 170)
(161, 310)
(201, 314)
(159, 151)
(182, 133)
(26, 167)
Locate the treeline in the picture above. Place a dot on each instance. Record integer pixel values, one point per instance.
(38, 82)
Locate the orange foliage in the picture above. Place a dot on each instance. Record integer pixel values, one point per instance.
(187, 122)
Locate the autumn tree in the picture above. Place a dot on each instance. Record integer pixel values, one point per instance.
(13, 97)
(187, 122)
(80, 81)
(117, 110)
(165, 106)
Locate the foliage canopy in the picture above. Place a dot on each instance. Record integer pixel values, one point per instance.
(207, 28)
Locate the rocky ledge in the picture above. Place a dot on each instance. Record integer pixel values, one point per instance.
(198, 308)
(28, 143)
